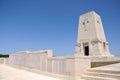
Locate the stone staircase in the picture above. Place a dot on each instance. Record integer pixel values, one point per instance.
(98, 74)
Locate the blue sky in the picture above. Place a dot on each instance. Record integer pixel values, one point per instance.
(52, 24)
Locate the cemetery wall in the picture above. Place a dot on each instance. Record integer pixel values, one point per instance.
(1, 60)
(43, 62)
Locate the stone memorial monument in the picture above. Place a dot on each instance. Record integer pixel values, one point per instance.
(91, 40)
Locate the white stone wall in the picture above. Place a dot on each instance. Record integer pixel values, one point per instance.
(76, 66)
(67, 68)
(37, 60)
(1, 60)
(56, 65)
(41, 60)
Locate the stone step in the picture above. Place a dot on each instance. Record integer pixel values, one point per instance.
(116, 76)
(104, 71)
(110, 72)
(86, 77)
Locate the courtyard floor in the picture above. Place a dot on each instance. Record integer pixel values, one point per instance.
(9, 73)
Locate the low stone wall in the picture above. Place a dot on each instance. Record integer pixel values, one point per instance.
(56, 65)
(1, 60)
(43, 62)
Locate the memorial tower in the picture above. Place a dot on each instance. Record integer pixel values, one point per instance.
(91, 40)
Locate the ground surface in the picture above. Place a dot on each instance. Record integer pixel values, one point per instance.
(9, 73)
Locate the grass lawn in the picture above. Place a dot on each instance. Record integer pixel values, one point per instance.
(97, 64)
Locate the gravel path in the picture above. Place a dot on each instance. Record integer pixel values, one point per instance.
(9, 73)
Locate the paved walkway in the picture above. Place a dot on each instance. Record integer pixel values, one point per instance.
(112, 67)
(9, 73)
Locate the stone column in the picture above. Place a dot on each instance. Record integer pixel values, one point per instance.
(82, 49)
(90, 48)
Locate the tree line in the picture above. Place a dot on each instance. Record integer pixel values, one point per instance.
(4, 55)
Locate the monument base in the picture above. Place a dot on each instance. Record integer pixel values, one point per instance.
(99, 58)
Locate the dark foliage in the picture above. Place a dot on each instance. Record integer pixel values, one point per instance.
(4, 55)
